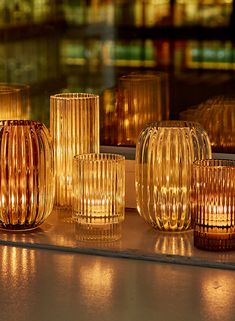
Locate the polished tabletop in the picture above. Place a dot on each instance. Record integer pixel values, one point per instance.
(139, 241)
(51, 285)
(47, 274)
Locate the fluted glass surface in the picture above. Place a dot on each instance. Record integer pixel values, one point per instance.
(99, 195)
(26, 174)
(217, 116)
(139, 98)
(74, 124)
(14, 101)
(213, 196)
(164, 155)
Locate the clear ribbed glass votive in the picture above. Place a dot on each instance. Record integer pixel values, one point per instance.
(99, 195)
(74, 125)
(141, 98)
(26, 174)
(213, 197)
(164, 155)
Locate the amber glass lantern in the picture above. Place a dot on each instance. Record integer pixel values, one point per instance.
(14, 101)
(26, 174)
(74, 124)
(213, 190)
(99, 195)
(217, 116)
(164, 155)
(138, 98)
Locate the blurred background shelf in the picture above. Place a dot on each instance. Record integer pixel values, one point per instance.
(68, 45)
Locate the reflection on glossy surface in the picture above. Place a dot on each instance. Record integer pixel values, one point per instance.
(19, 263)
(18, 273)
(217, 116)
(138, 99)
(174, 243)
(217, 296)
(97, 281)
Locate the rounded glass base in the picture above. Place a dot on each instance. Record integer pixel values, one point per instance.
(19, 227)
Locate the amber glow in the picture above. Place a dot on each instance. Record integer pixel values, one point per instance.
(164, 155)
(139, 98)
(98, 194)
(27, 176)
(97, 283)
(213, 193)
(74, 124)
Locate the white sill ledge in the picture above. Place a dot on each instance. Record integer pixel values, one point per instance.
(139, 241)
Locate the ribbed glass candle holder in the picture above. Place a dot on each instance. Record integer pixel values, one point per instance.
(141, 98)
(99, 195)
(74, 124)
(164, 155)
(14, 101)
(217, 116)
(213, 190)
(9, 107)
(26, 174)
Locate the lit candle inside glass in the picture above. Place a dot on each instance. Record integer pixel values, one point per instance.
(213, 192)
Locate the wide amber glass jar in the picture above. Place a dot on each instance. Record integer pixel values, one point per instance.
(26, 174)
(165, 152)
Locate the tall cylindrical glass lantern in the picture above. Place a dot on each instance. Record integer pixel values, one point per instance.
(140, 98)
(74, 125)
(26, 174)
(164, 155)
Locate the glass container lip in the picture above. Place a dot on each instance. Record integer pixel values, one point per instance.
(99, 157)
(70, 95)
(141, 76)
(20, 122)
(171, 124)
(215, 163)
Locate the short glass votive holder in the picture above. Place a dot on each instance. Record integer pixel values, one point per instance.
(213, 197)
(14, 101)
(98, 196)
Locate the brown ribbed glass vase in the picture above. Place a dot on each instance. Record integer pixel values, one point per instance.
(213, 196)
(26, 174)
(164, 155)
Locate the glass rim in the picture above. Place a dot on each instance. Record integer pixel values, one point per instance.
(20, 122)
(214, 163)
(99, 157)
(141, 77)
(171, 124)
(70, 95)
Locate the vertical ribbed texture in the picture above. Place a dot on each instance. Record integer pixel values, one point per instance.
(164, 154)
(14, 101)
(74, 125)
(213, 190)
(99, 195)
(141, 98)
(26, 174)
(217, 116)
